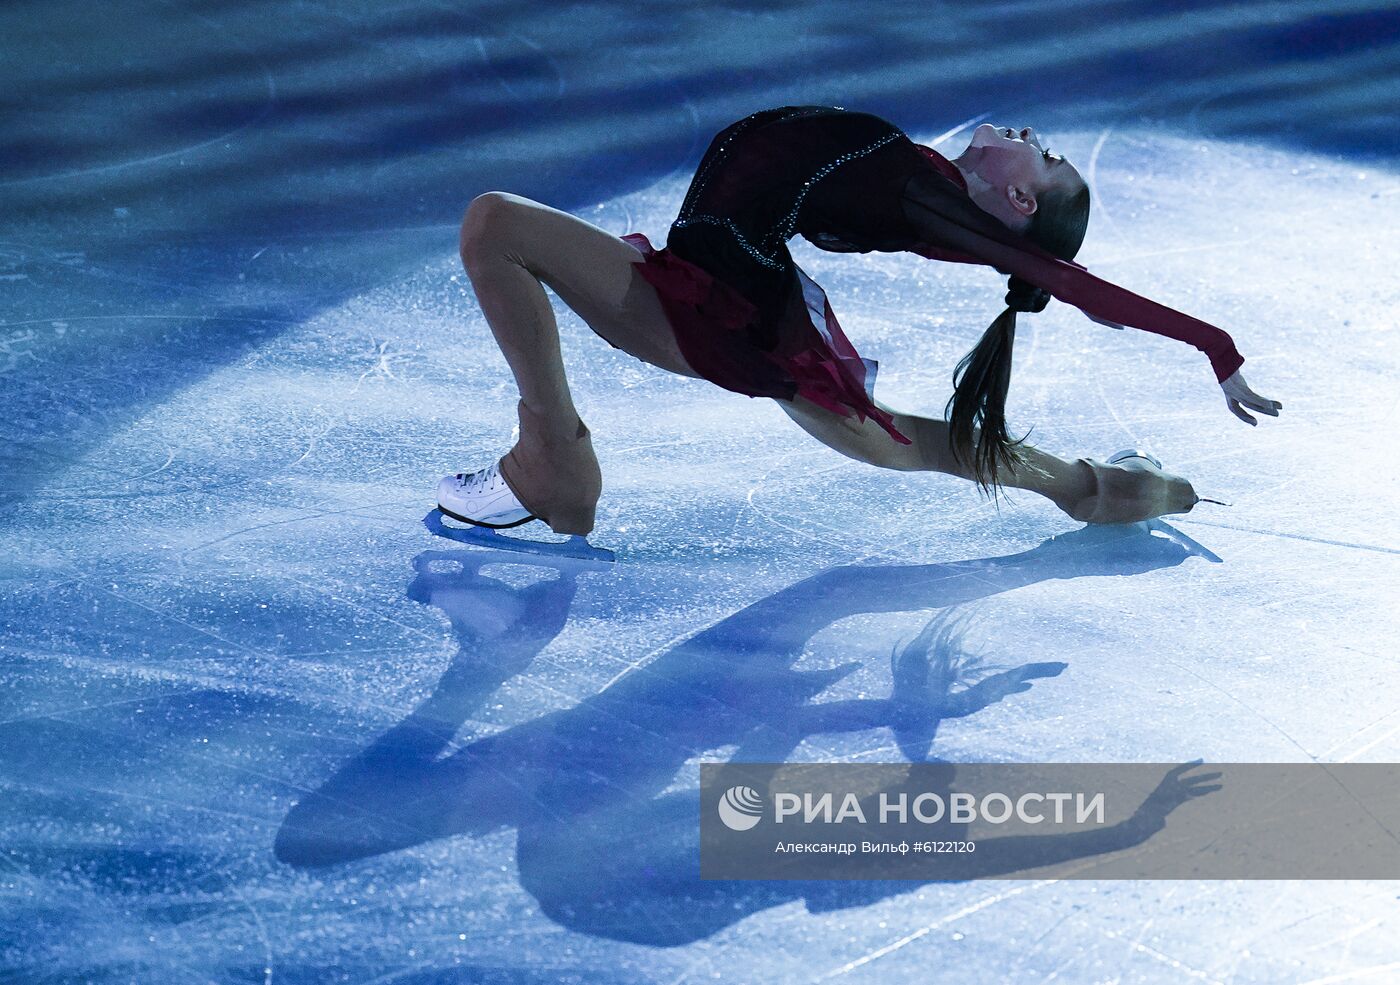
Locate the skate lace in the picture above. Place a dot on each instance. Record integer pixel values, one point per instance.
(476, 480)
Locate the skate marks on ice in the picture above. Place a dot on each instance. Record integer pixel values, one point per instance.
(182, 101)
(1326, 195)
(581, 784)
(1373, 548)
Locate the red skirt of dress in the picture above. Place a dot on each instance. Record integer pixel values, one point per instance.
(716, 329)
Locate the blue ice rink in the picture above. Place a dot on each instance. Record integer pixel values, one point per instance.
(258, 724)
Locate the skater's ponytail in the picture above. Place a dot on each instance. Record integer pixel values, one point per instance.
(979, 404)
(976, 412)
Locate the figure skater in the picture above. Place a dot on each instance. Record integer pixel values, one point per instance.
(724, 301)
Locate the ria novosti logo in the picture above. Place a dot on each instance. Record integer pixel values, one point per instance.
(740, 808)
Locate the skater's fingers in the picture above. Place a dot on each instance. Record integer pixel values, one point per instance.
(1236, 388)
(1239, 411)
(1256, 402)
(1197, 782)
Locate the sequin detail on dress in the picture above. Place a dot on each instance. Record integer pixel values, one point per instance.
(774, 258)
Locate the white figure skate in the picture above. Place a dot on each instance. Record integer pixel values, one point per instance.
(483, 500)
(1159, 525)
(1126, 453)
(1118, 456)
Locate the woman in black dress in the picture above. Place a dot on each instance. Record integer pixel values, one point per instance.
(725, 302)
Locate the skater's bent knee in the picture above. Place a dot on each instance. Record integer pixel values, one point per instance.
(486, 217)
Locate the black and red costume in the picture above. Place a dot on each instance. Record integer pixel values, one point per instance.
(749, 319)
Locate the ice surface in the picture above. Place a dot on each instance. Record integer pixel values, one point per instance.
(259, 725)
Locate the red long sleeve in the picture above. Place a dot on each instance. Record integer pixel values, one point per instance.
(952, 227)
(853, 182)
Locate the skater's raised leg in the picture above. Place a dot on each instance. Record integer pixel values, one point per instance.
(1089, 491)
(511, 248)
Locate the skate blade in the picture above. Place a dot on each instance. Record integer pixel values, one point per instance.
(577, 546)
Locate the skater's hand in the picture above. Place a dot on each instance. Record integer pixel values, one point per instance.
(1237, 393)
(1175, 789)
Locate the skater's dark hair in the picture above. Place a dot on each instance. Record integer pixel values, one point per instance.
(982, 377)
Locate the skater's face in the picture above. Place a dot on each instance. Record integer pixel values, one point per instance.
(1018, 170)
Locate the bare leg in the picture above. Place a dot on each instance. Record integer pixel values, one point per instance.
(511, 247)
(1089, 491)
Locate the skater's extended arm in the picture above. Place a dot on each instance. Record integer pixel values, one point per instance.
(1020, 853)
(953, 227)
